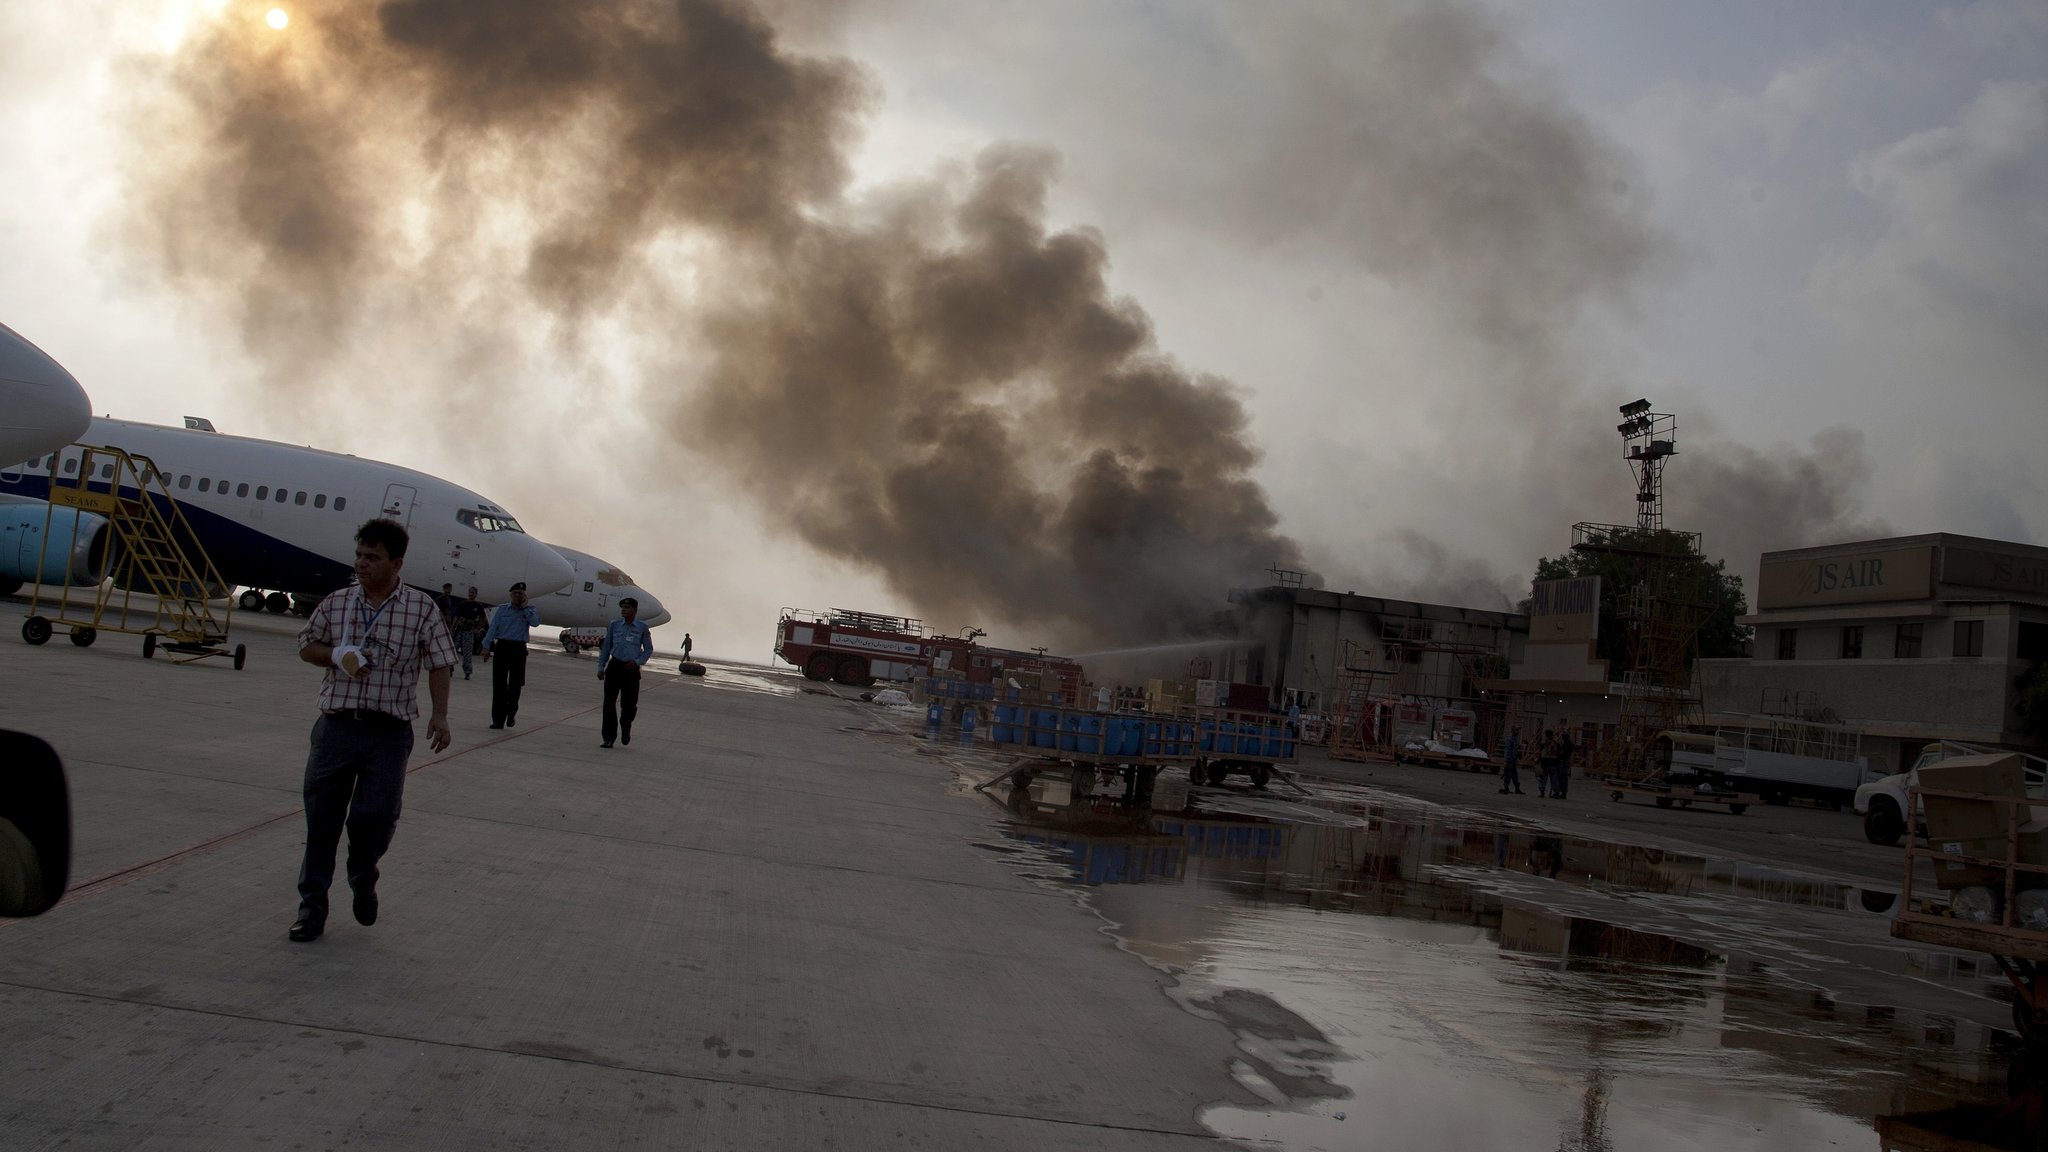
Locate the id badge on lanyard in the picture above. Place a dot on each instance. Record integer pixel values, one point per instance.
(348, 618)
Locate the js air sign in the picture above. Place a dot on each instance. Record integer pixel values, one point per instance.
(1864, 577)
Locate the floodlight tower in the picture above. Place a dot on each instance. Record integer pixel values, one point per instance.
(1648, 439)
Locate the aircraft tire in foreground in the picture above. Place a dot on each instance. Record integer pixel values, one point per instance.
(251, 600)
(35, 826)
(148, 645)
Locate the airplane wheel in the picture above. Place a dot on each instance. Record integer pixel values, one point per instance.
(83, 637)
(36, 630)
(148, 645)
(251, 600)
(277, 603)
(241, 656)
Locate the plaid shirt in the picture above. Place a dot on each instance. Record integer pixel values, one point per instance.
(408, 633)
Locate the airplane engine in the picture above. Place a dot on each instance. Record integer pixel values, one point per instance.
(24, 550)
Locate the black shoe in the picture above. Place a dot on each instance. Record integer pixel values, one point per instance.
(508, 721)
(304, 931)
(606, 744)
(495, 727)
(366, 908)
(625, 735)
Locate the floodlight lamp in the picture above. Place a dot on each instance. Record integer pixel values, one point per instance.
(1635, 408)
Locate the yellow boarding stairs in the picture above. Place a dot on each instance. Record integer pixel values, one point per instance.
(159, 582)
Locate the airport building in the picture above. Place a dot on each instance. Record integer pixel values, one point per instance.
(1297, 641)
(1911, 639)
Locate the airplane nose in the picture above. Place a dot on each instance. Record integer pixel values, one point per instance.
(656, 615)
(51, 409)
(546, 571)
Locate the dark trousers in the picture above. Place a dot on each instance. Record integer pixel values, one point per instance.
(1510, 776)
(1545, 767)
(508, 676)
(355, 777)
(621, 698)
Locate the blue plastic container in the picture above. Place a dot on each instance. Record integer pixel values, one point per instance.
(1208, 736)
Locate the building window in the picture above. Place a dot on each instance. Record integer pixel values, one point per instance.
(2033, 640)
(1969, 638)
(1907, 647)
(1852, 642)
(1788, 643)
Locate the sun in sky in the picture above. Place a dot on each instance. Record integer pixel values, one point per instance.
(277, 18)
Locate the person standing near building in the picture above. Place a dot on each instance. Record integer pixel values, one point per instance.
(1546, 763)
(686, 647)
(626, 646)
(1511, 759)
(505, 639)
(1561, 783)
(373, 638)
(469, 626)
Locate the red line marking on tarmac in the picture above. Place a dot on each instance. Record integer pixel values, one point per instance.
(106, 881)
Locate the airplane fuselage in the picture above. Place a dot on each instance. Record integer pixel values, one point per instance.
(283, 517)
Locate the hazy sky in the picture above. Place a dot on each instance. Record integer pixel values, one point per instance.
(946, 308)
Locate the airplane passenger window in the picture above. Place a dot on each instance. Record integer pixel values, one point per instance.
(185, 481)
(106, 471)
(340, 502)
(241, 489)
(205, 484)
(70, 466)
(298, 498)
(263, 491)
(281, 494)
(320, 501)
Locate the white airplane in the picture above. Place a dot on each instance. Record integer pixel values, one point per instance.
(279, 516)
(590, 602)
(41, 406)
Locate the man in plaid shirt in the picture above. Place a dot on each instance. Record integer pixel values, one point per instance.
(372, 637)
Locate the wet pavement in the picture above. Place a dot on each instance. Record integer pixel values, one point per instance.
(1405, 975)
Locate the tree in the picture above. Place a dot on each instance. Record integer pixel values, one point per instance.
(1693, 578)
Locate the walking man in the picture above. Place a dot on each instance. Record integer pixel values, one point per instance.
(626, 646)
(686, 647)
(373, 637)
(511, 624)
(1546, 762)
(469, 626)
(1511, 759)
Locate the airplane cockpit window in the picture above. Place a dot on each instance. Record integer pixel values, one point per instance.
(487, 521)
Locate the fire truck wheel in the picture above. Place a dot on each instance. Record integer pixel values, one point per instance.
(818, 667)
(853, 672)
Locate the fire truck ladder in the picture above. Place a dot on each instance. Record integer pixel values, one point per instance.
(154, 556)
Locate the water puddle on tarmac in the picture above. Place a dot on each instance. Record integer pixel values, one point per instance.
(1412, 977)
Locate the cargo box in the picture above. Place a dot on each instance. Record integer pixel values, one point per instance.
(1995, 774)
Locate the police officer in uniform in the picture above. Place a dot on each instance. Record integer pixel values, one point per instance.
(511, 624)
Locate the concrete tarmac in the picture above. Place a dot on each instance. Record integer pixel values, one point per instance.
(757, 927)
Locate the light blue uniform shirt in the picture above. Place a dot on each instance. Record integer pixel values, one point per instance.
(509, 623)
(631, 642)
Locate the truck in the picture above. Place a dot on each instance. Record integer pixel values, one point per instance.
(1884, 802)
(858, 648)
(1779, 759)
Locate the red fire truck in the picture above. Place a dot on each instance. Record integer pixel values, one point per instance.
(859, 648)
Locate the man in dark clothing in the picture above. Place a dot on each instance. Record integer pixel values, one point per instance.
(1561, 782)
(1546, 762)
(469, 628)
(1511, 759)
